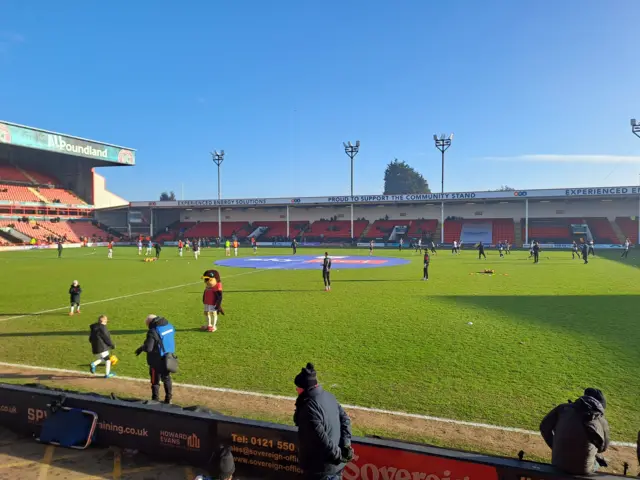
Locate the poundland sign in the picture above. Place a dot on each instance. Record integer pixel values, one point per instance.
(43, 140)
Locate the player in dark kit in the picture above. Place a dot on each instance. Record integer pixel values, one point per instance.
(294, 246)
(425, 268)
(481, 251)
(59, 248)
(536, 252)
(158, 249)
(585, 253)
(575, 252)
(326, 272)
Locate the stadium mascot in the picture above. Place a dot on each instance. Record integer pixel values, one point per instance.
(212, 299)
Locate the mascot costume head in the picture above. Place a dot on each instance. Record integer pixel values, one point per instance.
(212, 299)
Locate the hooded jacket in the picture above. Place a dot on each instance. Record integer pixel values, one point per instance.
(100, 338)
(151, 344)
(323, 429)
(576, 432)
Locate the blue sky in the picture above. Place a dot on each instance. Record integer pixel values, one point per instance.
(280, 85)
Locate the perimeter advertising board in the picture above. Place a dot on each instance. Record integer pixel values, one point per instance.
(21, 136)
(260, 450)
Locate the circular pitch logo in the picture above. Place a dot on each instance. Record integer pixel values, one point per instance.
(5, 134)
(125, 156)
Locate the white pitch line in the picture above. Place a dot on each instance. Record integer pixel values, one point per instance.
(450, 421)
(119, 298)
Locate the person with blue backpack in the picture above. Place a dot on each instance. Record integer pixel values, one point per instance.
(160, 347)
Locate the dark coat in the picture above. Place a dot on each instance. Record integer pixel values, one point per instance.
(100, 338)
(151, 344)
(576, 432)
(323, 429)
(74, 293)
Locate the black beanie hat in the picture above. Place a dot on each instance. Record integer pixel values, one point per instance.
(307, 377)
(224, 464)
(597, 394)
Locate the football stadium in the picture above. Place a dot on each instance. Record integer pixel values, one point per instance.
(512, 320)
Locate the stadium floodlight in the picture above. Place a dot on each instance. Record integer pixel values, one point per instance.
(442, 144)
(635, 127)
(351, 151)
(218, 158)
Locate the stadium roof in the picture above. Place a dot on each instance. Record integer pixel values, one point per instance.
(34, 138)
(519, 195)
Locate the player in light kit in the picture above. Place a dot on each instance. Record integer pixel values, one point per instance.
(455, 247)
(139, 246)
(371, 248)
(235, 247)
(625, 253)
(149, 246)
(180, 247)
(110, 249)
(196, 250)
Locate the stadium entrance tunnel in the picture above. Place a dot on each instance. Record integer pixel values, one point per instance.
(310, 262)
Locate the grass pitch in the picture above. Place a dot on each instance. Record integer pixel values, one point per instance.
(382, 338)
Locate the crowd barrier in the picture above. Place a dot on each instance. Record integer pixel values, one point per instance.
(260, 449)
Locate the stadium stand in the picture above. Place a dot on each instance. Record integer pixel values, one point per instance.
(210, 229)
(31, 229)
(278, 229)
(58, 195)
(602, 230)
(9, 173)
(40, 178)
(504, 229)
(551, 230)
(15, 193)
(629, 228)
(71, 232)
(382, 228)
(336, 230)
(175, 231)
(422, 227)
(87, 229)
(452, 230)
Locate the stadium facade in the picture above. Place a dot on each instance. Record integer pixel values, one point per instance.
(608, 215)
(49, 188)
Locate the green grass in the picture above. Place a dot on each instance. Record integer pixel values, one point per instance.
(381, 338)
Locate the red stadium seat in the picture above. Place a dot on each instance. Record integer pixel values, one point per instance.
(629, 228)
(16, 193)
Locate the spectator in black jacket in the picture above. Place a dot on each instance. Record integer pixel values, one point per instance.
(324, 429)
(74, 293)
(100, 344)
(577, 432)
